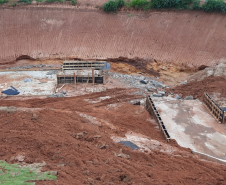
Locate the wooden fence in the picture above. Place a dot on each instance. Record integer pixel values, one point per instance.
(150, 106)
(215, 110)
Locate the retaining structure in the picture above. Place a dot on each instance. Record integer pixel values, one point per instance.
(215, 110)
(62, 79)
(81, 65)
(150, 106)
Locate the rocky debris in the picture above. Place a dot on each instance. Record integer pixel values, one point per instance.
(97, 136)
(63, 92)
(183, 83)
(19, 158)
(121, 154)
(104, 146)
(188, 98)
(79, 135)
(177, 96)
(52, 72)
(158, 84)
(125, 178)
(149, 164)
(157, 95)
(144, 81)
(30, 66)
(34, 117)
(162, 93)
(217, 70)
(61, 165)
(58, 95)
(55, 173)
(27, 80)
(150, 90)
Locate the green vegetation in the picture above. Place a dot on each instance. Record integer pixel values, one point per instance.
(3, 1)
(179, 4)
(26, 1)
(51, 1)
(74, 2)
(214, 6)
(111, 6)
(120, 3)
(14, 174)
(208, 6)
(139, 4)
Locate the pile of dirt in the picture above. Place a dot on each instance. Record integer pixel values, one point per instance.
(138, 63)
(72, 135)
(211, 84)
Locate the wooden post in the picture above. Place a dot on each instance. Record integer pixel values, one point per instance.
(74, 78)
(223, 121)
(93, 76)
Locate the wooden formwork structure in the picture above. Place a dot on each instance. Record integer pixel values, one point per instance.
(83, 65)
(74, 79)
(214, 109)
(150, 106)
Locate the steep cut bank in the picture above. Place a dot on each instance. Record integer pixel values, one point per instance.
(187, 37)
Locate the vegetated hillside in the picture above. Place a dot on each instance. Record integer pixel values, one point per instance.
(189, 37)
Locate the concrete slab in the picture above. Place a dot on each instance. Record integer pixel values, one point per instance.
(41, 82)
(192, 126)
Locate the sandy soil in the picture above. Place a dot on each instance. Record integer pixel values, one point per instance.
(187, 37)
(45, 134)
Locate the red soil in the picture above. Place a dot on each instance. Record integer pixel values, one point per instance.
(58, 31)
(197, 88)
(46, 135)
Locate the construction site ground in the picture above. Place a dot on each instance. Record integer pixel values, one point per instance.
(45, 130)
(74, 130)
(191, 124)
(78, 135)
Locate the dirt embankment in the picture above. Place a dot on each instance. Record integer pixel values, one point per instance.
(187, 37)
(212, 84)
(46, 134)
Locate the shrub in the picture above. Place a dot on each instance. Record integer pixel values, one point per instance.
(196, 5)
(3, 1)
(111, 6)
(74, 2)
(139, 4)
(214, 6)
(170, 4)
(51, 1)
(120, 3)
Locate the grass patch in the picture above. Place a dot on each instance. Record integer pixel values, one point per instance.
(13, 174)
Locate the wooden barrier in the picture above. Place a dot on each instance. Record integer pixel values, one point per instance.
(153, 111)
(214, 109)
(83, 65)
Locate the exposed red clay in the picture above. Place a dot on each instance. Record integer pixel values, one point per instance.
(189, 37)
(46, 135)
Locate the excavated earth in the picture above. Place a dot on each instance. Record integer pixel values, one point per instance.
(190, 38)
(45, 129)
(78, 136)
